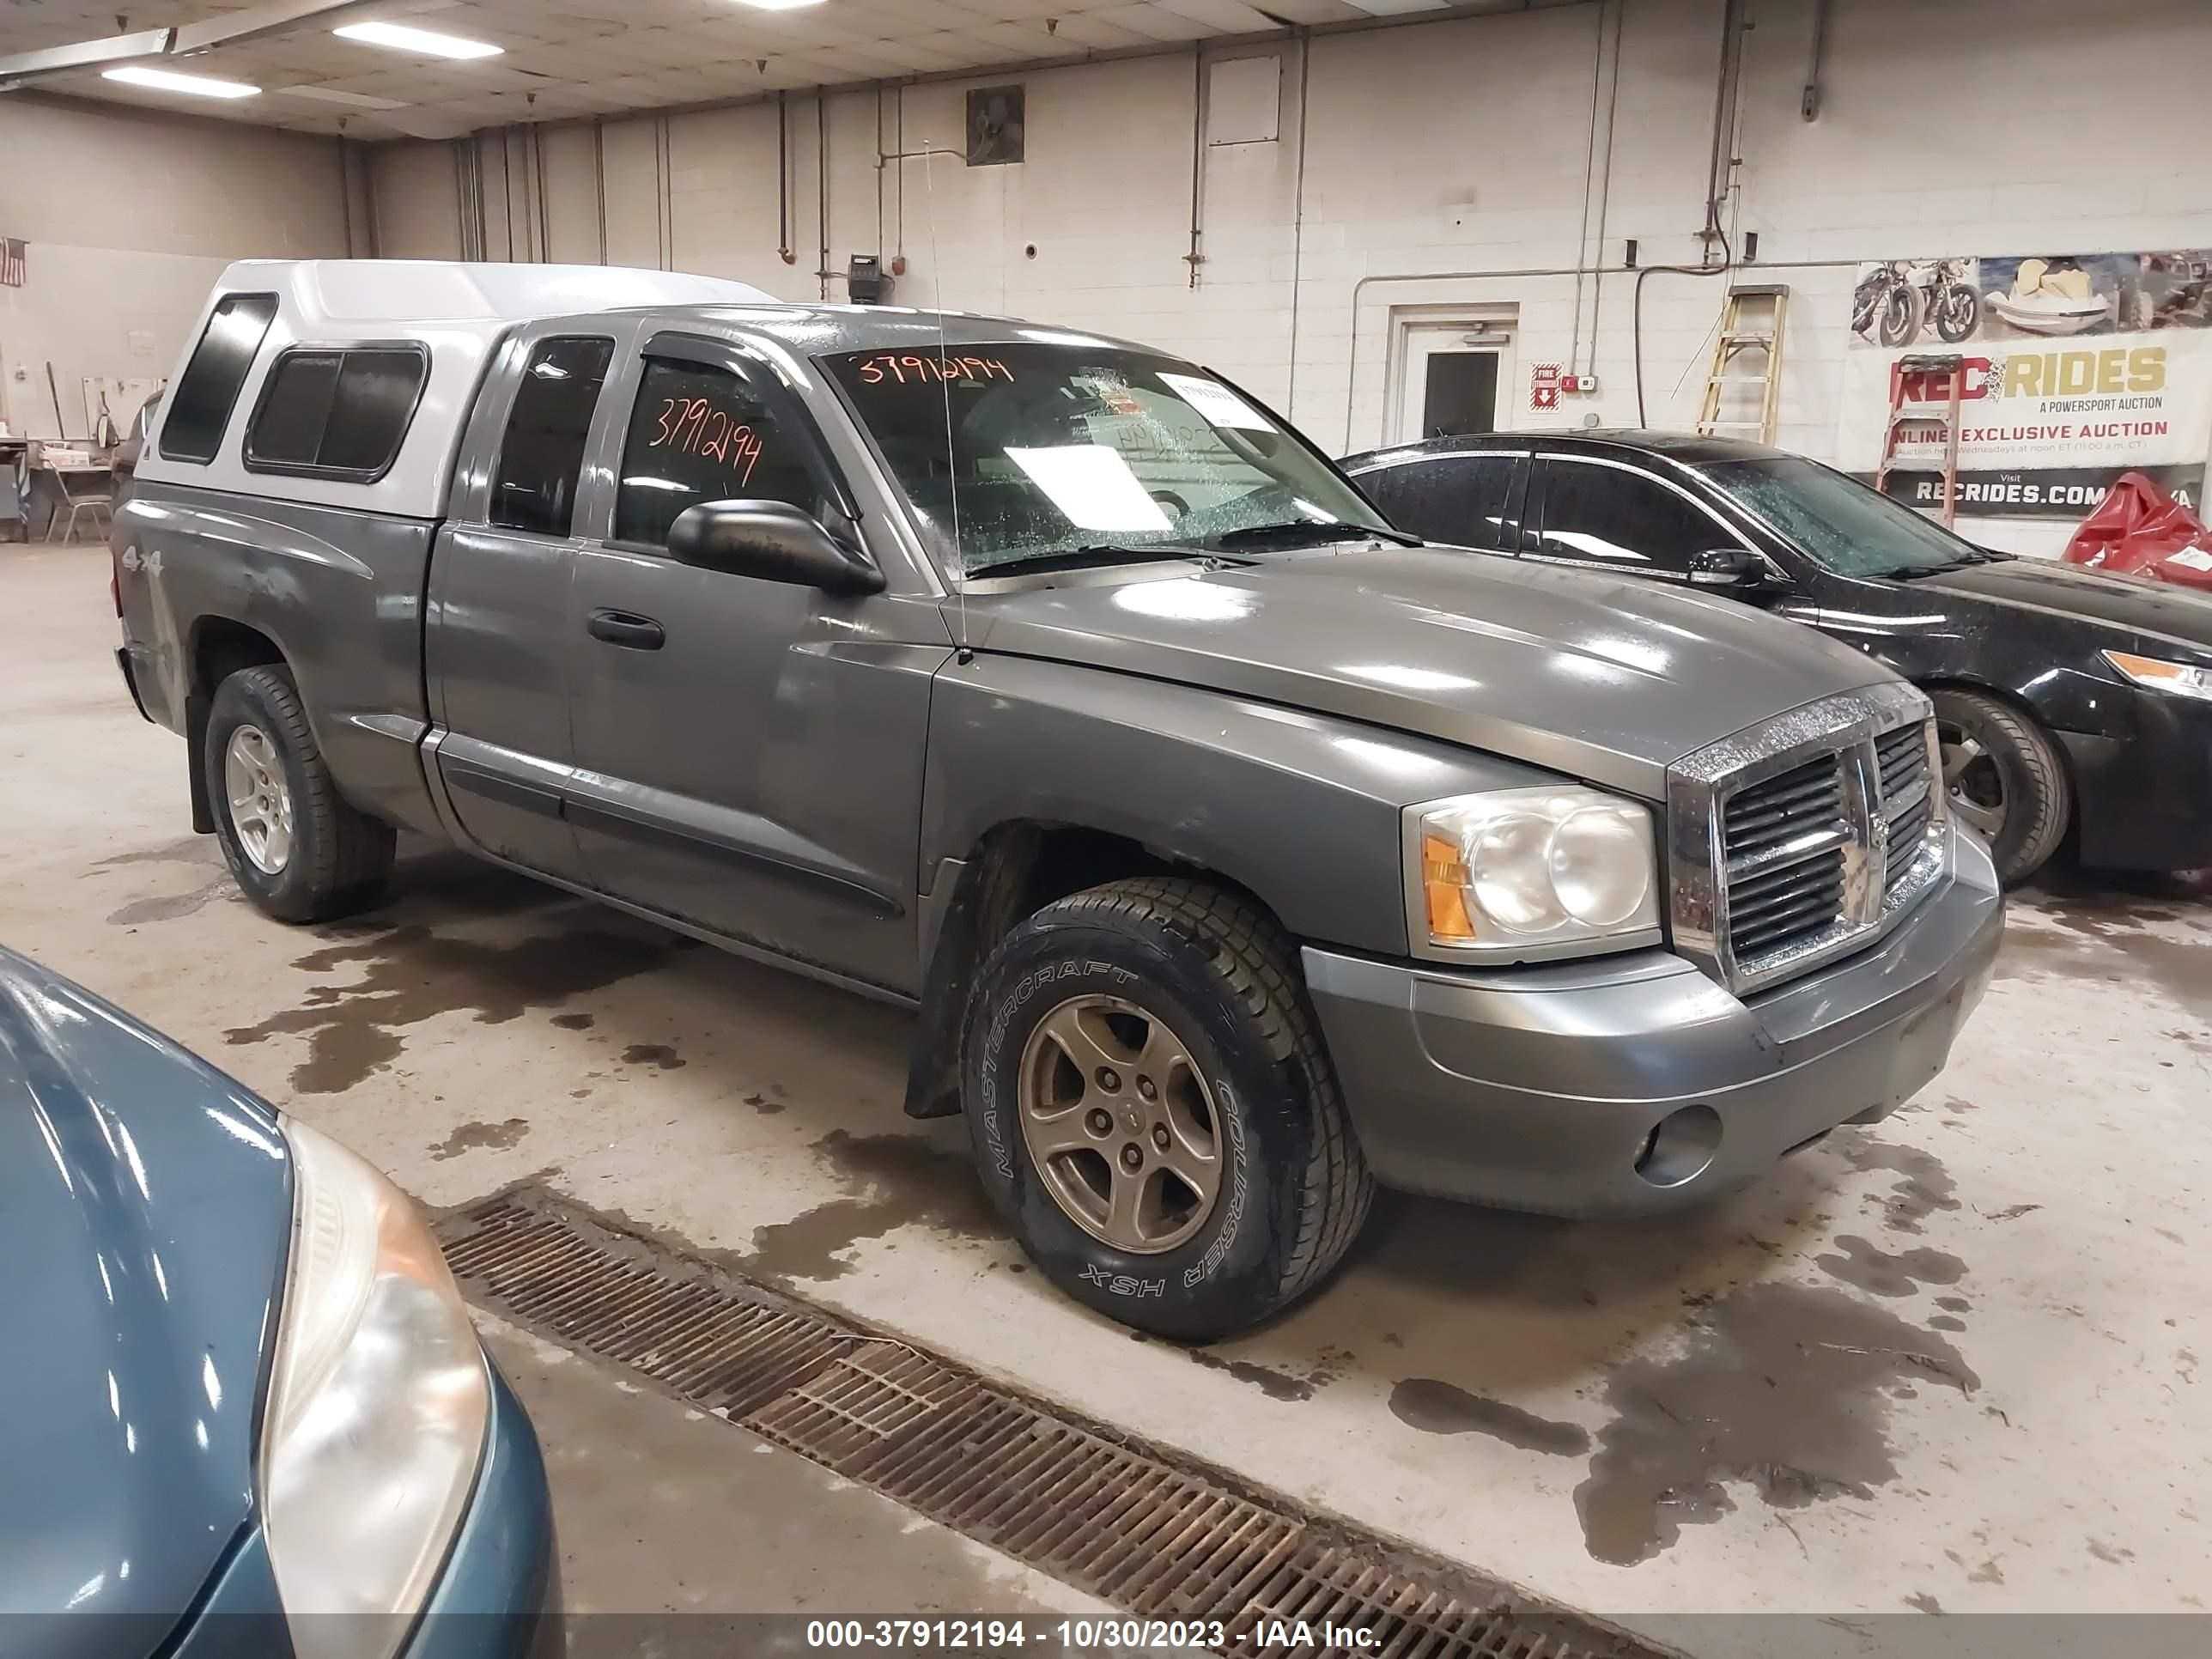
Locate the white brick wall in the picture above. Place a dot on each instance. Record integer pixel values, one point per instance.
(1977, 127)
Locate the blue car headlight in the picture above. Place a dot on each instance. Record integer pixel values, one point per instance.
(376, 1411)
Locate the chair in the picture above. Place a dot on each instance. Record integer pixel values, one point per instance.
(16, 497)
(100, 500)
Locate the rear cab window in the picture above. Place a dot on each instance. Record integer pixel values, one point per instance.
(207, 391)
(701, 433)
(337, 412)
(541, 456)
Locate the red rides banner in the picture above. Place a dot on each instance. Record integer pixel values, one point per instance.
(2078, 368)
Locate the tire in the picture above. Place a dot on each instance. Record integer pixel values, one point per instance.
(1218, 973)
(1900, 316)
(335, 859)
(2016, 768)
(1958, 314)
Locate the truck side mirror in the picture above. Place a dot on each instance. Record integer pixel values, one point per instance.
(771, 542)
(1736, 568)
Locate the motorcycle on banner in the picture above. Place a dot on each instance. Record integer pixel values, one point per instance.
(1896, 300)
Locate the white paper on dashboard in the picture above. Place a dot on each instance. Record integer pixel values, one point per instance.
(1216, 403)
(1093, 486)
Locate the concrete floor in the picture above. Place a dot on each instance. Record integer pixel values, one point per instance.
(662, 1509)
(1949, 1363)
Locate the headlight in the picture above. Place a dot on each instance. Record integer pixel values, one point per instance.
(2181, 678)
(1522, 872)
(376, 1405)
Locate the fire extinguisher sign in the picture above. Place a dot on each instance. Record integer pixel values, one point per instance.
(1543, 385)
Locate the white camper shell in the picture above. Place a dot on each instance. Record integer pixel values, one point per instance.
(449, 318)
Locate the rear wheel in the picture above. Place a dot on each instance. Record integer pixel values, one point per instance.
(294, 847)
(2005, 780)
(1150, 1107)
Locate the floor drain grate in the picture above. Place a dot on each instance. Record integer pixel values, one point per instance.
(1151, 1535)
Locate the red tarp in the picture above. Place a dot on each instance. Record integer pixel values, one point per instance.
(2140, 530)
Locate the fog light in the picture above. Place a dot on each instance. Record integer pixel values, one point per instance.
(1681, 1146)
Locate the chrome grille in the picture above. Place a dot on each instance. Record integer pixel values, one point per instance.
(1908, 797)
(1804, 839)
(1784, 844)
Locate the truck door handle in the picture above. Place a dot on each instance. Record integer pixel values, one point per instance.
(628, 628)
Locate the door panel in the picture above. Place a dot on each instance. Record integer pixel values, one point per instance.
(758, 772)
(501, 628)
(495, 645)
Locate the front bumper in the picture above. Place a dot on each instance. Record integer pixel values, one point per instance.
(500, 1594)
(2144, 801)
(1540, 1088)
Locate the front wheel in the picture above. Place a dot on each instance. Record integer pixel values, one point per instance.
(2005, 780)
(1958, 313)
(1900, 316)
(1150, 1107)
(292, 844)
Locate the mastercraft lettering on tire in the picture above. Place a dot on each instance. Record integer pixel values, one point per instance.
(1238, 853)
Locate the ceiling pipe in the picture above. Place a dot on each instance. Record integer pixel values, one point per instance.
(1720, 176)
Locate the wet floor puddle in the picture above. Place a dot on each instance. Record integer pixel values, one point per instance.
(1783, 1388)
(412, 974)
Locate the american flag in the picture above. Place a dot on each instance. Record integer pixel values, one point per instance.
(15, 269)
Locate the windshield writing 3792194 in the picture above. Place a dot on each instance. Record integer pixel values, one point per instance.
(693, 426)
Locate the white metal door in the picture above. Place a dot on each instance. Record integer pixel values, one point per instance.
(1454, 379)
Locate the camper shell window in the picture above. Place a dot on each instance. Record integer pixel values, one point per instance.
(336, 411)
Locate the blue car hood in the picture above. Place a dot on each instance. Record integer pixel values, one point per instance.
(145, 1214)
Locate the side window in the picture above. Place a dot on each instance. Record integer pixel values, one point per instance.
(337, 413)
(1603, 515)
(699, 434)
(543, 453)
(1459, 498)
(200, 407)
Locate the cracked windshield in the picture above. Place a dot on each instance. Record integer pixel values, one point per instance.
(1067, 455)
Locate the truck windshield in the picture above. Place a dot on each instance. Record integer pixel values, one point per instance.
(1839, 522)
(1050, 450)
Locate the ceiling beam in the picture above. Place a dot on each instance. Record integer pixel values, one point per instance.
(26, 66)
(252, 23)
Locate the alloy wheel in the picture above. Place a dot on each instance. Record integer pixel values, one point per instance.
(1971, 779)
(1121, 1124)
(260, 802)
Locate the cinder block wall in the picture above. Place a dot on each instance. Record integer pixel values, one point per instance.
(1982, 126)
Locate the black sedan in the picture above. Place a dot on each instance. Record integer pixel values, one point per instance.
(2067, 701)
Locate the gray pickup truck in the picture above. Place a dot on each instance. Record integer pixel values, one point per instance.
(1238, 852)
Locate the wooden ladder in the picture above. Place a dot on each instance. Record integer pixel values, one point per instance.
(1751, 326)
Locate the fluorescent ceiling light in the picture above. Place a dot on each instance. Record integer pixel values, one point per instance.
(202, 86)
(778, 5)
(400, 38)
(1392, 8)
(350, 99)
